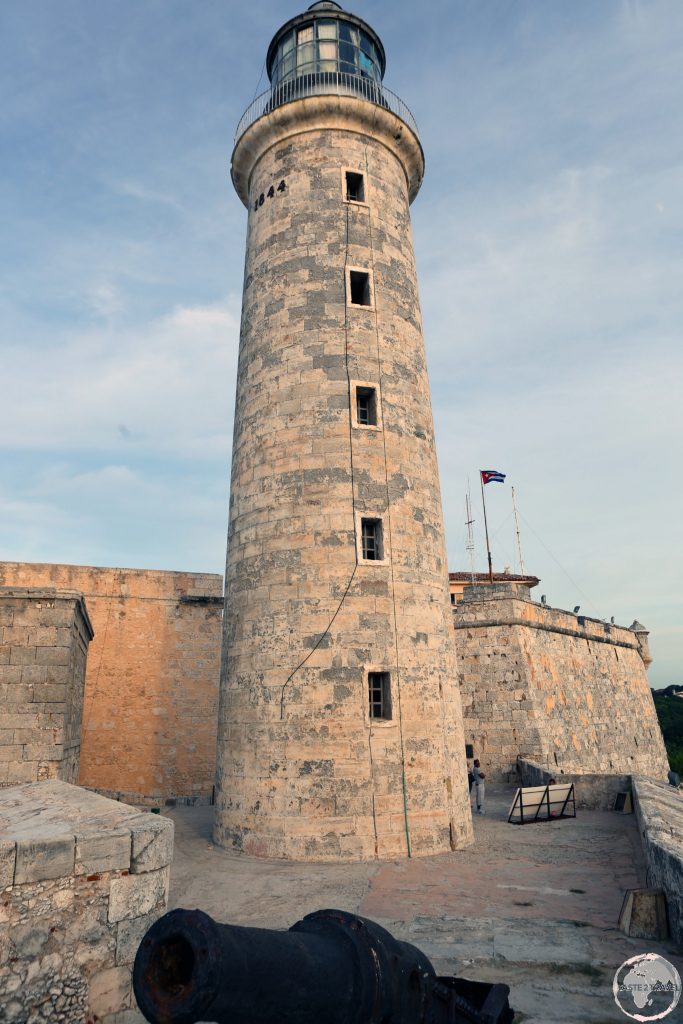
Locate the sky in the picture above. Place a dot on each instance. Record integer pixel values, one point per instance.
(548, 237)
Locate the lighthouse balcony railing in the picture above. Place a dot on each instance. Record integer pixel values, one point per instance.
(324, 83)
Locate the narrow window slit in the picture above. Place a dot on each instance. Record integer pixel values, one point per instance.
(366, 406)
(359, 286)
(372, 540)
(355, 187)
(379, 694)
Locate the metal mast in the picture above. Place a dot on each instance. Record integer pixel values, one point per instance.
(519, 539)
(470, 532)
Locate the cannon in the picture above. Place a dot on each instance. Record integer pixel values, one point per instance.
(332, 967)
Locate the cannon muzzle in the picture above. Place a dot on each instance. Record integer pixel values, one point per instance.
(330, 968)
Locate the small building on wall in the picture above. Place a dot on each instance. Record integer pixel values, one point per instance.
(558, 688)
(150, 707)
(459, 581)
(44, 637)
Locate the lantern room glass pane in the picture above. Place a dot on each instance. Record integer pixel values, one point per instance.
(367, 68)
(327, 52)
(284, 61)
(349, 33)
(348, 57)
(327, 30)
(305, 53)
(314, 49)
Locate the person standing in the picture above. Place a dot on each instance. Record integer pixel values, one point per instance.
(479, 786)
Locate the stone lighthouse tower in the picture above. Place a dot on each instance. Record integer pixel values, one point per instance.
(340, 731)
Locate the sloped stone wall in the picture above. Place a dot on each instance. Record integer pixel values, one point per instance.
(570, 693)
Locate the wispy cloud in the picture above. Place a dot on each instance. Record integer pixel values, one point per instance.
(105, 300)
(165, 380)
(135, 190)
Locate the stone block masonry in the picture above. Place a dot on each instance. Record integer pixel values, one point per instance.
(151, 687)
(567, 692)
(44, 638)
(82, 878)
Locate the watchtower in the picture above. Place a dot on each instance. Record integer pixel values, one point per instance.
(340, 730)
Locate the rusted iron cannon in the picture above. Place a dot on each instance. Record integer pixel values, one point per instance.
(330, 968)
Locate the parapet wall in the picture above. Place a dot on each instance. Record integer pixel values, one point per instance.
(81, 880)
(592, 791)
(567, 692)
(151, 689)
(659, 811)
(44, 637)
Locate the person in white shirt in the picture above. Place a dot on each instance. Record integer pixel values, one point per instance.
(479, 786)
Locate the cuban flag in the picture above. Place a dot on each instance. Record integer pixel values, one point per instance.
(489, 476)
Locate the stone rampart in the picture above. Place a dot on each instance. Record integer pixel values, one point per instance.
(44, 637)
(659, 811)
(151, 690)
(81, 880)
(568, 692)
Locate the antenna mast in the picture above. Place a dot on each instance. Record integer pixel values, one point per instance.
(470, 532)
(519, 539)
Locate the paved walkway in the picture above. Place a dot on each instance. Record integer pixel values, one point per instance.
(535, 906)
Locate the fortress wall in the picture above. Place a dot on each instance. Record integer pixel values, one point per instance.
(44, 637)
(567, 692)
(151, 689)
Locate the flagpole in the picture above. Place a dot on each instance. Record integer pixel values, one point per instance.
(486, 528)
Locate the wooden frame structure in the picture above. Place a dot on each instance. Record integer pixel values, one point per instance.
(542, 803)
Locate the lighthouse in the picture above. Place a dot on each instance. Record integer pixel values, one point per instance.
(340, 726)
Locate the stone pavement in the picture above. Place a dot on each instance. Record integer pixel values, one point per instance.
(535, 907)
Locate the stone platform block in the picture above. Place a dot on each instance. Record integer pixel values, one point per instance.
(82, 877)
